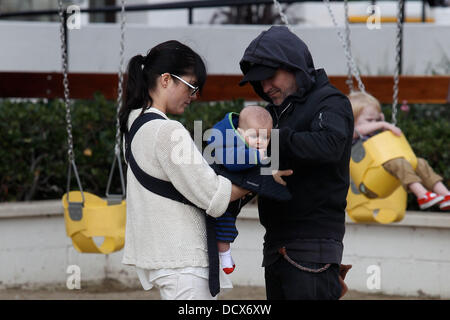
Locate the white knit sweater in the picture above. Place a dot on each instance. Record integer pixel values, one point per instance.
(162, 233)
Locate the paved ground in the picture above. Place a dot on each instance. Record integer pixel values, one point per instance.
(112, 290)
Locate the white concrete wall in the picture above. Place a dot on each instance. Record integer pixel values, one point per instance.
(413, 256)
(95, 48)
(34, 249)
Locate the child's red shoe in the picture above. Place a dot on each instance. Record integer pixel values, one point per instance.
(229, 270)
(429, 200)
(445, 204)
(226, 261)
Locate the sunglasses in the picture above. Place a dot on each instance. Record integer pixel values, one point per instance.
(193, 89)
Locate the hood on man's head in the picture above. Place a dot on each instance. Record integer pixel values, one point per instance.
(277, 48)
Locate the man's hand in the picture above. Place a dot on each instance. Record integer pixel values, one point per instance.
(343, 269)
(277, 174)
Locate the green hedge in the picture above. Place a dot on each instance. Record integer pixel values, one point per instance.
(33, 147)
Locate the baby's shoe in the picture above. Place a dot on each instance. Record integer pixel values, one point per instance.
(226, 260)
(444, 205)
(429, 200)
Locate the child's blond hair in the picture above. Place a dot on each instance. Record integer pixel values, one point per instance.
(361, 100)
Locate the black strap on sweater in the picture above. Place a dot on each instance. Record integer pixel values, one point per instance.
(167, 190)
(155, 185)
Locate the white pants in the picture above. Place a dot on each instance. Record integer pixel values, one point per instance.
(183, 286)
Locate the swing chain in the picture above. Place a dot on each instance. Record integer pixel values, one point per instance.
(66, 81)
(117, 158)
(120, 86)
(397, 60)
(346, 46)
(349, 80)
(70, 152)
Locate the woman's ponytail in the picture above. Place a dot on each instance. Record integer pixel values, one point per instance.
(136, 93)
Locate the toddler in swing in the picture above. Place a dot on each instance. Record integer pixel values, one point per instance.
(423, 182)
(250, 131)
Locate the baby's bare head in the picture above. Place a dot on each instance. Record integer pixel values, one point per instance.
(255, 117)
(255, 125)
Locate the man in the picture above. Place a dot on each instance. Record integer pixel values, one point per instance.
(315, 123)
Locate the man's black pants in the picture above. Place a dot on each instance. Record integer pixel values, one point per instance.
(284, 281)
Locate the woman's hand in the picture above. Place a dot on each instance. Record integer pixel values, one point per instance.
(278, 174)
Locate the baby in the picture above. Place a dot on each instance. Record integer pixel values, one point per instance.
(426, 185)
(245, 140)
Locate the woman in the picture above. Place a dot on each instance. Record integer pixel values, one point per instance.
(166, 239)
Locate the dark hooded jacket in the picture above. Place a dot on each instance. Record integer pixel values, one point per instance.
(315, 136)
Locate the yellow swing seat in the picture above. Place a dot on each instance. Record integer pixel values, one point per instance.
(94, 218)
(366, 163)
(384, 211)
